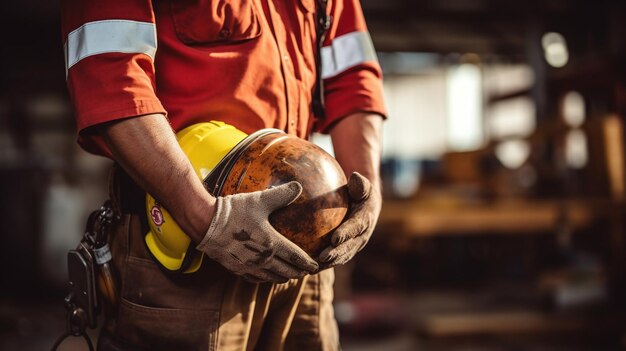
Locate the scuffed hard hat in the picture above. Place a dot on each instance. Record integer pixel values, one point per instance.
(231, 162)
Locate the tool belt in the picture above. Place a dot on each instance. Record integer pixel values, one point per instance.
(92, 280)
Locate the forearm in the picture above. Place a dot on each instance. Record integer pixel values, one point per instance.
(147, 149)
(356, 140)
(357, 145)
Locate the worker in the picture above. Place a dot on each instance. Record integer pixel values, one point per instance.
(140, 70)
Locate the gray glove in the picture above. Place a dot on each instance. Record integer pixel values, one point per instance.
(354, 233)
(241, 238)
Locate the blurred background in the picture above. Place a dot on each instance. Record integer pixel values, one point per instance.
(503, 167)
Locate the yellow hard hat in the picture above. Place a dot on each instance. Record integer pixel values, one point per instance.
(205, 144)
(230, 162)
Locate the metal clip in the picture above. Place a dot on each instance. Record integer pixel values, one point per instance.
(83, 301)
(76, 323)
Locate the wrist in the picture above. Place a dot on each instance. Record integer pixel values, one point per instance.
(195, 214)
(201, 215)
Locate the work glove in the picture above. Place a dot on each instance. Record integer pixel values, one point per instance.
(242, 239)
(354, 233)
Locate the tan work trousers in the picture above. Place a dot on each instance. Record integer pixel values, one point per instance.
(211, 309)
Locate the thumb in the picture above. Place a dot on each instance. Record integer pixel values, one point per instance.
(281, 195)
(359, 187)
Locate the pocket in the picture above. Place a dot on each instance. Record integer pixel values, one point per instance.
(198, 22)
(152, 328)
(146, 284)
(158, 310)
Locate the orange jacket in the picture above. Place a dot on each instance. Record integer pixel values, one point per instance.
(248, 63)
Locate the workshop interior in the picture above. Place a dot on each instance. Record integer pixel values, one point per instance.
(503, 166)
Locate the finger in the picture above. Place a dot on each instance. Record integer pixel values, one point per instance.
(359, 187)
(293, 254)
(350, 229)
(259, 254)
(333, 256)
(361, 247)
(263, 276)
(281, 268)
(328, 255)
(281, 195)
(251, 278)
(273, 276)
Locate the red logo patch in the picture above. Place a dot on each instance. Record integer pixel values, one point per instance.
(157, 215)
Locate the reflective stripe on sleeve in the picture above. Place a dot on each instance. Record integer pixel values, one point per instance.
(110, 36)
(347, 51)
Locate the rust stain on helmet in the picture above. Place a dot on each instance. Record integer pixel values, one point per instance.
(278, 158)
